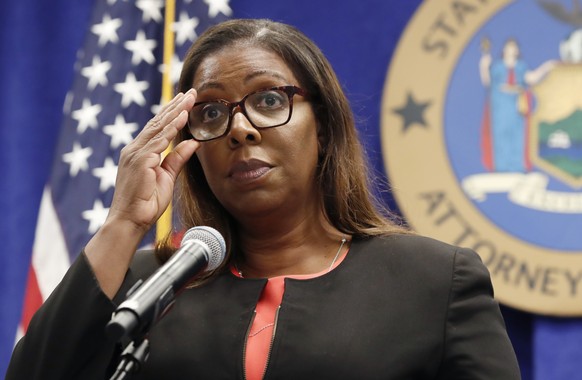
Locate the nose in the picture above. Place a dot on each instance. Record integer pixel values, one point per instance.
(242, 131)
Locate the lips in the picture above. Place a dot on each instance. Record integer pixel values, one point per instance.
(244, 171)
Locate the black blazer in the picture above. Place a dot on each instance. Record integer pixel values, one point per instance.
(401, 307)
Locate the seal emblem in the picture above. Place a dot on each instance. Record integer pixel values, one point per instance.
(482, 141)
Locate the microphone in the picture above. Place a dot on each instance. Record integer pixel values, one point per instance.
(202, 249)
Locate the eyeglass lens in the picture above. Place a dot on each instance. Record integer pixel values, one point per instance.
(263, 109)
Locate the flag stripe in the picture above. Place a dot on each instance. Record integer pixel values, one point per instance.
(49, 262)
(32, 299)
(50, 259)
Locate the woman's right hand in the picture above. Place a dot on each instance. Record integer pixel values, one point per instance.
(143, 189)
(146, 179)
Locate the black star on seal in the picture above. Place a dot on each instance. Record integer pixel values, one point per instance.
(412, 112)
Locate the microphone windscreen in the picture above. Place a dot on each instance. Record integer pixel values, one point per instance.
(213, 239)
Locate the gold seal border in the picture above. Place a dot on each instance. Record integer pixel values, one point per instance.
(525, 276)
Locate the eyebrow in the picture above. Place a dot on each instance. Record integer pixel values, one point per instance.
(247, 79)
(259, 73)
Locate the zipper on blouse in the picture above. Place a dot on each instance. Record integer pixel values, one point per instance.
(272, 340)
(244, 358)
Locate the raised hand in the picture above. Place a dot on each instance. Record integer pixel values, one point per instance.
(145, 181)
(144, 187)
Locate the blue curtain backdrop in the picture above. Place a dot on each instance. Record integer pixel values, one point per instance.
(39, 40)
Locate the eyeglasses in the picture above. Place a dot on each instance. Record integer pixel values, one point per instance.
(266, 108)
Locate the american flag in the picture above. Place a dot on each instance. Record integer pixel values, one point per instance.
(116, 90)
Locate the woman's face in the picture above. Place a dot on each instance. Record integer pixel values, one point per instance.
(511, 50)
(255, 172)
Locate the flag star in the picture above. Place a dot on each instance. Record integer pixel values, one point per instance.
(96, 73)
(120, 132)
(106, 174)
(107, 30)
(152, 9)
(141, 49)
(96, 216)
(155, 108)
(131, 90)
(185, 28)
(218, 6)
(86, 116)
(77, 158)
(175, 68)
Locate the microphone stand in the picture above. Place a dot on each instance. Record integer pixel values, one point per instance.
(132, 359)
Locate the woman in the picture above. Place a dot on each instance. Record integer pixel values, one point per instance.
(505, 127)
(317, 283)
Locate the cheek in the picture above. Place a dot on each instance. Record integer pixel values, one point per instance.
(207, 154)
(206, 162)
(303, 148)
(309, 140)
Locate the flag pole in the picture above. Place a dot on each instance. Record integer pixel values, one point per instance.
(164, 224)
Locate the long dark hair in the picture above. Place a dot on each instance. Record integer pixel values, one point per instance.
(342, 177)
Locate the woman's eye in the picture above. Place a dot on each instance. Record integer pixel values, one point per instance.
(211, 112)
(270, 99)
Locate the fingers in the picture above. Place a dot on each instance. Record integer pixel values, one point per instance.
(177, 158)
(160, 141)
(162, 128)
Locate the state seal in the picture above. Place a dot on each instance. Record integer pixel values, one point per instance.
(482, 140)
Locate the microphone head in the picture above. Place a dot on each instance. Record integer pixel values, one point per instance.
(213, 239)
